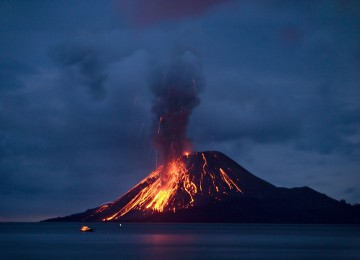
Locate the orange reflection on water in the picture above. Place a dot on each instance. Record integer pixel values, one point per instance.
(168, 239)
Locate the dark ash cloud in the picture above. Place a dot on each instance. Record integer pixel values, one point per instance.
(175, 88)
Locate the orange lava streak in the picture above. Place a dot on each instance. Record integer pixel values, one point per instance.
(102, 208)
(189, 187)
(228, 180)
(165, 188)
(205, 162)
(204, 171)
(139, 198)
(158, 195)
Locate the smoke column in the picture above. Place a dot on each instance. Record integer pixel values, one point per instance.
(175, 89)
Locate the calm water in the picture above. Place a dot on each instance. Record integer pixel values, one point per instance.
(178, 241)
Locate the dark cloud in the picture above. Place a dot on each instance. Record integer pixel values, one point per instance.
(144, 12)
(85, 65)
(54, 140)
(330, 124)
(9, 73)
(245, 109)
(267, 114)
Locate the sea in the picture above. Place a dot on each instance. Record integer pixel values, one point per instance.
(178, 241)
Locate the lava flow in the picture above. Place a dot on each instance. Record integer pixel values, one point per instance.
(180, 184)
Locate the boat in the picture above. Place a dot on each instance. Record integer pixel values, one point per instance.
(86, 229)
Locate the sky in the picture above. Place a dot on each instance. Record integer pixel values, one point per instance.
(279, 95)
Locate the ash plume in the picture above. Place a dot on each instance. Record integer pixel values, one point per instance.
(175, 89)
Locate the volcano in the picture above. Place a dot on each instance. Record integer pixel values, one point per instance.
(210, 187)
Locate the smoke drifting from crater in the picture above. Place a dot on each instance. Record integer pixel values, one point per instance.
(175, 89)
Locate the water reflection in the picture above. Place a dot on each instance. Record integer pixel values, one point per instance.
(166, 239)
(174, 246)
(179, 241)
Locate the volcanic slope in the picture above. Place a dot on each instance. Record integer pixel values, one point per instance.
(210, 187)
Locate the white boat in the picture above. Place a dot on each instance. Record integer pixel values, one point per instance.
(86, 229)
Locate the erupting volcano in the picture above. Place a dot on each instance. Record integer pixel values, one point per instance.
(210, 187)
(206, 186)
(190, 181)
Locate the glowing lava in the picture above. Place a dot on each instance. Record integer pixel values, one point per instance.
(177, 185)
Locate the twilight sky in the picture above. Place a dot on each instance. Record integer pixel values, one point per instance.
(280, 94)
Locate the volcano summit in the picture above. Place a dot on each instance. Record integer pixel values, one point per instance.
(210, 187)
